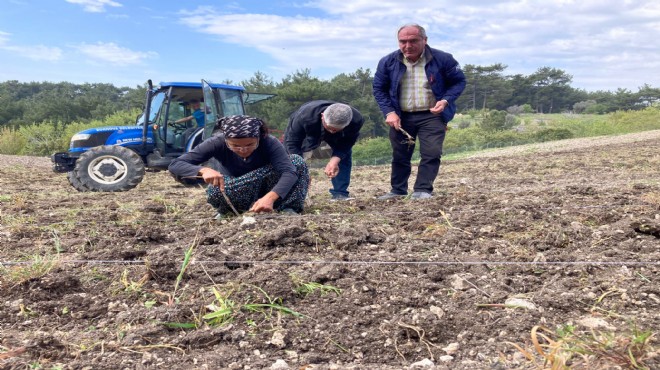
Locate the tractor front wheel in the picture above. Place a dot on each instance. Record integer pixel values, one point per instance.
(109, 168)
(75, 181)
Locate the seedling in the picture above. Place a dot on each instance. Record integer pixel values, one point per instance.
(131, 286)
(222, 309)
(184, 266)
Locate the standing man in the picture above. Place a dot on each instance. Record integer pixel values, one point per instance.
(416, 88)
(335, 123)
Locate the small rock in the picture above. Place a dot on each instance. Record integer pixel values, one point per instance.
(451, 349)
(519, 302)
(486, 229)
(248, 220)
(279, 364)
(446, 358)
(437, 311)
(595, 323)
(278, 339)
(421, 364)
(458, 282)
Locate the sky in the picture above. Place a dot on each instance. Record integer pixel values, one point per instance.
(603, 44)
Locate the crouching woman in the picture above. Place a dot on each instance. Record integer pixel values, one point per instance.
(255, 173)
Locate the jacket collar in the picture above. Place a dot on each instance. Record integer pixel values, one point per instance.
(427, 54)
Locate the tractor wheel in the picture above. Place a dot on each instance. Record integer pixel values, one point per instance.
(75, 181)
(109, 168)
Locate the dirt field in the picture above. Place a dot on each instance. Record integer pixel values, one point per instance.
(563, 235)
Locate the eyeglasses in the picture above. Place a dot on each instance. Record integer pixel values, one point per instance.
(242, 148)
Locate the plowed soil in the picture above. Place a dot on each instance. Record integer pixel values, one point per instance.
(563, 235)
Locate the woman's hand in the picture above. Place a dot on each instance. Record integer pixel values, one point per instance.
(265, 203)
(213, 177)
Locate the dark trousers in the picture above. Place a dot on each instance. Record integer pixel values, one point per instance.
(430, 130)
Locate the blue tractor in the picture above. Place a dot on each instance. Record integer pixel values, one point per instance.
(115, 158)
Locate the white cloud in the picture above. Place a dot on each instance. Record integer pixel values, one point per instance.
(4, 37)
(297, 42)
(94, 6)
(34, 52)
(114, 54)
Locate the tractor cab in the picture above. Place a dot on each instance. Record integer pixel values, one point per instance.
(179, 117)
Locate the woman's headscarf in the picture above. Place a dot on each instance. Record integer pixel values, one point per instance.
(241, 126)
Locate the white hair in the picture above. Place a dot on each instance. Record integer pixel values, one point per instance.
(338, 115)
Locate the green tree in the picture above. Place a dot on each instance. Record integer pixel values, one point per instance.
(550, 86)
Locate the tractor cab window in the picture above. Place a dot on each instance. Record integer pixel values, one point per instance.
(232, 102)
(177, 111)
(156, 103)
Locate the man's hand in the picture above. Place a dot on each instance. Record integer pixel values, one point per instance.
(213, 177)
(392, 119)
(332, 168)
(265, 203)
(439, 107)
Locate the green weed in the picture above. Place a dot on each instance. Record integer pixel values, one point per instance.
(568, 348)
(30, 270)
(306, 288)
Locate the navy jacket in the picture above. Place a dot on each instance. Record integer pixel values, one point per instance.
(305, 130)
(443, 72)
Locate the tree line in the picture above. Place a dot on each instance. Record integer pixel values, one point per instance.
(547, 90)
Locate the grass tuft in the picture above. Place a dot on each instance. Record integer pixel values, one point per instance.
(568, 348)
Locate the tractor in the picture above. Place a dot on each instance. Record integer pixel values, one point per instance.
(115, 158)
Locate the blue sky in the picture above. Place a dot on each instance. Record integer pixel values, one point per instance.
(603, 44)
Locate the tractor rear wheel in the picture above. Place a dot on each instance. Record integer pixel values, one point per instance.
(109, 168)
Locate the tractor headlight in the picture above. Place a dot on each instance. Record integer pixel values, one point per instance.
(80, 137)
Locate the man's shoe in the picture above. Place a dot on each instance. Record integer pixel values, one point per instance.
(421, 195)
(391, 195)
(340, 197)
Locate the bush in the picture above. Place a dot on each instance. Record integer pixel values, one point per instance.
(595, 109)
(372, 149)
(581, 107)
(495, 120)
(41, 138)
(461, 140)
(550, 134)
(499, 139)
(11, 141)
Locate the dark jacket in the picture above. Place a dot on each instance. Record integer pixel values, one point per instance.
(305, 130)
(442, 71)
(270, 151)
